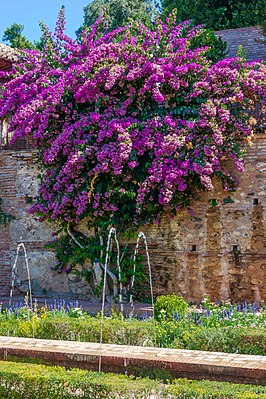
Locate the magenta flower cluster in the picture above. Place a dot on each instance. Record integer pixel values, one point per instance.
(129, 123)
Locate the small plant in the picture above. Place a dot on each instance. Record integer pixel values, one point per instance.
(77, 313)
(213, 202)
(5, 217)
(167, 306)
(228, 200)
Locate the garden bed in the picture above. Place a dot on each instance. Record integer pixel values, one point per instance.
(216, 329)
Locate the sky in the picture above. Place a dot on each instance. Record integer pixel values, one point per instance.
(30, 12)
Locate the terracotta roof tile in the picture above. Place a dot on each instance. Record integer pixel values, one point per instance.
(8, 53)
(249, 38)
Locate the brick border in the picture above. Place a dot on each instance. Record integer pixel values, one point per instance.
(248, 369)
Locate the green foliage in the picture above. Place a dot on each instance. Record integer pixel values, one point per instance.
(119, 12)
(213, 202)
(218, 14)
(4, 217)
(247, 13)
(37, 381)
(166, 305)
(14, 37)
(85, 329)
(217, 47)
(234, 340)
(183, 388)
(26, 380)
(228, 200)
(69, 254)
(75, 259)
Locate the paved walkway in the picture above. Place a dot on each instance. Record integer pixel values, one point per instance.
(127, 359)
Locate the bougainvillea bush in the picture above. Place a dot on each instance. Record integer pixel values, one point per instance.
(130, 123)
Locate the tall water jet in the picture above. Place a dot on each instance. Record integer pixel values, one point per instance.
(112, 231)
(13, 273)
(141, 235)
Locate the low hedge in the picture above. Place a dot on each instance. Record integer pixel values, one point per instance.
(140, 333)
(31, 381)
(243, 340)
(85, 330)
(224, 339)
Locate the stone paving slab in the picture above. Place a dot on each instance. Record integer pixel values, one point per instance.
(121, 358)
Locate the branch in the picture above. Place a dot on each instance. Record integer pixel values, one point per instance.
(73, 237)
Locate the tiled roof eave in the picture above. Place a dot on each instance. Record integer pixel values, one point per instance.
(8, 53)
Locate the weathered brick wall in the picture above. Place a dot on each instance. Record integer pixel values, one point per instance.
(217, 250)
(18, 184)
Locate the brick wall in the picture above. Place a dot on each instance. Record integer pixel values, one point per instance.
(18, 184)
(217, 250)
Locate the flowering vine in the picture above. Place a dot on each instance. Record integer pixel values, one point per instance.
(129, 123)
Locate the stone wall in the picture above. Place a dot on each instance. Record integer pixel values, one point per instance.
(218, 249)
(18, 185)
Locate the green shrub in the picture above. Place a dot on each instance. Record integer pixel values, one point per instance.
(114, 331)
(217, 47)
(239, 340)
(31, 381)
(167, 305)
(183, 388)
(130, 332)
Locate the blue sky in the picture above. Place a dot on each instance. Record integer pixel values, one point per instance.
(29, 12)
